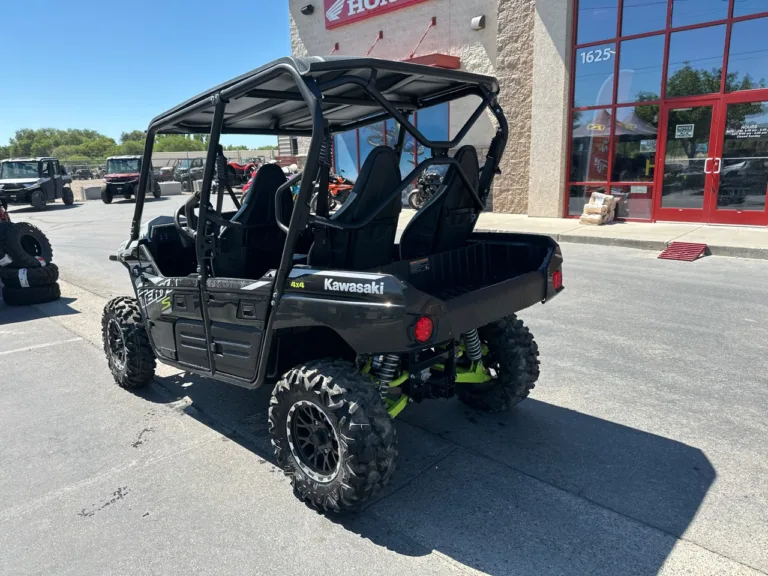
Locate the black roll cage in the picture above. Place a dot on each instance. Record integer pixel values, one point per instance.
(311, 92)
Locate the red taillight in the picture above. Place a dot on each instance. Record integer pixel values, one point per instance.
(423, 330)
(557, 279)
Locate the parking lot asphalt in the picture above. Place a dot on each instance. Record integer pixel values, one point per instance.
(641, 450)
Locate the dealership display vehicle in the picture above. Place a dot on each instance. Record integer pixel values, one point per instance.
(188, 171)
(122, 178)
(239, 174)
(34, 181)
(346, 324)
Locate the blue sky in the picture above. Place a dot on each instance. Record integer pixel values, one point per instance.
(113, 66)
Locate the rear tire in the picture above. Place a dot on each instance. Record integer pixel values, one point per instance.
(25, 244)
(106, 195)
(30, 296)
(68, 197)
(15, 278)
(126, 344)
(37, 200)
(514, 354)
(332, 435)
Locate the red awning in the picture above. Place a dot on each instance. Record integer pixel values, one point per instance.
(436, 60)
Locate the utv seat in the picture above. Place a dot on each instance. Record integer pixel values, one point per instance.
(373, 245)
(253, 243)
(447, 219)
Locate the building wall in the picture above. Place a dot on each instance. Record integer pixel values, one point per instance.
(514, 46)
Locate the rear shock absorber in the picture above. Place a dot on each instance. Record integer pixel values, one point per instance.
(386, 367)
(473, 345)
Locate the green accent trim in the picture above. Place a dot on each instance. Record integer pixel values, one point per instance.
(399, 380)
(395, 407)
(476, 374)
(367, 368)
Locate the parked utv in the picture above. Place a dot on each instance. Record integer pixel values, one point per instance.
(188, 171)
(122, 178)
(346, 324)
(34, 181)
(84, 174)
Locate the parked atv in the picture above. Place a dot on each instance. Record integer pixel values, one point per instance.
(240, 174)
(347, 325)
(34, 181)
(122, 178)
(427, 186)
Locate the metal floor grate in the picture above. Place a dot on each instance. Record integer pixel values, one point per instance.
(685, 251)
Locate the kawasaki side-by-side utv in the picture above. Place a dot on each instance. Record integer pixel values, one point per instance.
(122, 178)
(347, 324)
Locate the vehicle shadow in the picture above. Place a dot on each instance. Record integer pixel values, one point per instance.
(49, 208)
(14, 314)
(539, 490)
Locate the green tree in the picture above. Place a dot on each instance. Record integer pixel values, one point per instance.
(266, 147)
(178, 143)
(5, 152)
(236, 147)
(133, 136)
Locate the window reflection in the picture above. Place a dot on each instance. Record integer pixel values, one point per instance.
(744, 171)
(370, 137)
(633, 201)
(641, 16)
(686, 12)
(748, 56)
(746, 7)
(590, 145)
(597, 20)
(685, 165)
(696, 61)
(345, 154)
(408, 157)
(433, 123)
(594, 76)
(635, 138)
(579, 195)
(640, 69)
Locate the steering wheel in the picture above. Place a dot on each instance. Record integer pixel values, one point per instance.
(189, 227)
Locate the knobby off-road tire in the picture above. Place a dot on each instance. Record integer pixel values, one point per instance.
(30, 296)
(29, 277)
(347, 403)
(126, 344)
(156, 190)
(514, 355)
(106, 195)
(24, 244)
(37, 200)
(5, 260)
(68, 197)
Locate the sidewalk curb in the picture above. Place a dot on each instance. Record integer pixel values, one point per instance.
(653, 245)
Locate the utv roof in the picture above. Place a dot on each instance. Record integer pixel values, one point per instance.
(268, 100)
(38, 159)
(129, 157)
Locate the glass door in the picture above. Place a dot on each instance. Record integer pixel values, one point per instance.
(740, 171)
(688, 146)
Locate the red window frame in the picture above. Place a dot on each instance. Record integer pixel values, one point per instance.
(667, 31)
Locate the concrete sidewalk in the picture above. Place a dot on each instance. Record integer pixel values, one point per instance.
(738, 241)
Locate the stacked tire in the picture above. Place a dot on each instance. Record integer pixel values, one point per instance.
(27, 272)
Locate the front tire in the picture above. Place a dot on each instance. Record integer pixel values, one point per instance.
(514, 355)
(37, 200)
(332, 435)
(68, 197)
(126, 344)
(156, 190)
(416, 199)
(106, 195)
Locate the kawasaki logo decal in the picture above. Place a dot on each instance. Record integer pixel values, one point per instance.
(354, 287)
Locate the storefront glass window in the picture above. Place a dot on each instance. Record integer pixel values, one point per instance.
(633, 201)
(590, 146)
(594, 75)
(579, 195)
(635, 135)
(345, 154)
(370, 137)
(640, 69)
(642, 16)
(433, 123)
(696, 61)
(597, 20)
(747, 7)
(687, 12)
(748, 57)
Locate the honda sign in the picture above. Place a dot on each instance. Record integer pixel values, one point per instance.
(340, 12)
